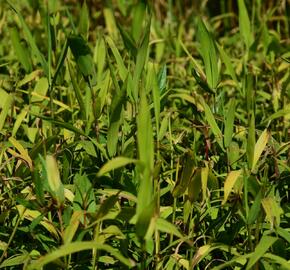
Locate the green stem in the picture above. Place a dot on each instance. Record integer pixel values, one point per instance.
(12, 235)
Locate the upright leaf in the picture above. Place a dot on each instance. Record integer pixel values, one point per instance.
(138, 17)
(20, 51)
(260, 146)
(213, 125)
(53, 178)
(30, 39)
(84, 21)
(244, 24)
(187, 172)
(229, 183)
(146, 154)
(83, 57)
(229, 123)
(141, 59)
(209, 54)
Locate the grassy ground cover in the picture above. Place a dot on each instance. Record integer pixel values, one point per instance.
(144, 134)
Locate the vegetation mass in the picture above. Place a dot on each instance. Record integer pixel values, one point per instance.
(145, 134)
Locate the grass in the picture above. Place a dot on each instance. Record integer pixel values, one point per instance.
(144, 135)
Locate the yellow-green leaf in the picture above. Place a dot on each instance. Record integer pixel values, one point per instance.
(229, 183)
(260, 146)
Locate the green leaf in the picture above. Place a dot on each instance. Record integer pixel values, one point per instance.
(165, 226)
(244, 24)
(77, 91)
(20, 117)
(53, 179)
(265, 243)
(84, 21)
(138, 17)
(141, 60)
(115, 163)
(229, 123)
(84, 194)
(146, 154)
(29, 37)
(208, 53)
(227, 61)
(20, 51)
(74, 247)
(83, 57)
(120, 63)
(213, 125)
(15, 260)
(6, 104)
(129, 42)
(116, 117)
(255, 209)
(186, 175)
(144, 219)
(251, 141)
(195, 185)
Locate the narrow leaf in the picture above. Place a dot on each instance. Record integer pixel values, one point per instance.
(265, 243)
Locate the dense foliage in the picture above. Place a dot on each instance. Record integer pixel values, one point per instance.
(144, 135)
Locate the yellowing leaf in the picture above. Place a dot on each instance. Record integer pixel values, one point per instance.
(33, 214)
(260, 146)
(272, 210)
(53, 179)
(23, 152)
(229, 183)
(201, 252)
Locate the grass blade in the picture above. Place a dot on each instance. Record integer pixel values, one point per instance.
(209, 54)
(265, 243)
(245, 25)
(77, 247)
